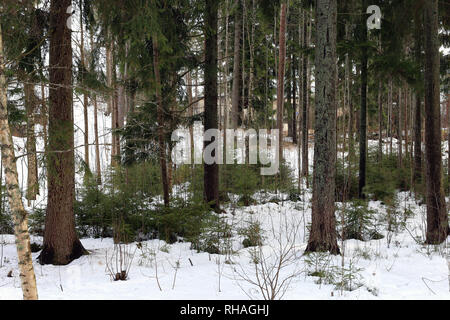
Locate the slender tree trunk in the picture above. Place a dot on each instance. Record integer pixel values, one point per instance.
(211, 171)
(191, 111)
(44, 115)
(400, 129)
(323, 228)
(98, 167)
(226, 110)
(280, 82)
(390, 94)
(417, 141)
(85, 95)
(18, 213)
(160, 116)
(294, 100)
(405, 112)
(32, 179)
(437, 216)
(305, 95)
(363, 114)
(61, 243)
(235, 94)
(109, 76)
(380, 123)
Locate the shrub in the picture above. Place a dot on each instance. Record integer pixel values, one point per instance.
(359, 222)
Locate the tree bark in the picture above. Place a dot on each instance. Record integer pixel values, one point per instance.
(305, 96)
(280, 82)
(437, 217)
(32, 178)
(85, 96)
(160, 116)
(235, 94)
(98, 167)
(380, 123)
(19, 215)
(323, 233)
(400, 129)
(61, 243)
(363, 114)
(211, 171)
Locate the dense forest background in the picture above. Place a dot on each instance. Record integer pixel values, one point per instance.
(92, 90)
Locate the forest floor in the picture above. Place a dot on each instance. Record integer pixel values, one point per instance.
(396, 266)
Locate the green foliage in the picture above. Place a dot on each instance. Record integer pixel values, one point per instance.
(252, 234)
(359, 221)
(212, 235)
(385, 178)
(37, 221)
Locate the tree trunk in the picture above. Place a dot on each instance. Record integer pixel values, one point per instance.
(85, 96)
(437, 217)
(280, 81)
(380, 123)
(109, 75)
(390, 116)
(19, 215)
(235, 94)
(211, 171)
(61, 243)
(323, 233)
(98, 167)
(32, 179)
(400, 129)
(44, 113)
(294, 100)
(363, 114)
(305, 94)
(160, 116)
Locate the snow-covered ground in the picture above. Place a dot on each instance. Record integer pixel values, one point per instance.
(402, 269)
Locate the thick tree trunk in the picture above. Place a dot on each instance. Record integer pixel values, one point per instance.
(61, 243)
(323, 233)
(437, 216)
(235, 94)
(280, 82)
(211, 171)
(19, 215)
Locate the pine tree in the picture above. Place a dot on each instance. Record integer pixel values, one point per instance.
(323, 233)
(437, 216)
(61, 243)
(211, 171)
